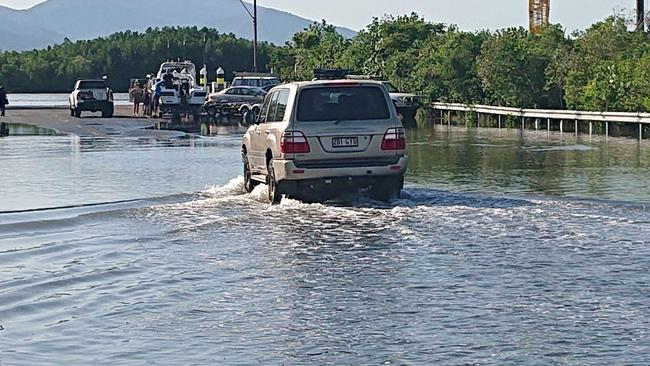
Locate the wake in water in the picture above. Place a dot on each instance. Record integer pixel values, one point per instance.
(411, 196)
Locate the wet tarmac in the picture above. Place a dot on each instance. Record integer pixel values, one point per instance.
(59, 120)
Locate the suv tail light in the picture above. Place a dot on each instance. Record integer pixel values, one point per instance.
(394, 139)
(294, 142)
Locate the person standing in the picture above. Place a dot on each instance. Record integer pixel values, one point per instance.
(157, 93)
(3, 100)
(137, 95)
(147, 101)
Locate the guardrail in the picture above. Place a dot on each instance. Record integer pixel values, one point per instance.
(550, 114)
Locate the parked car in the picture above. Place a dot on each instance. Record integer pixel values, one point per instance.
(238, 94)
(264, 81)
(91, 95)
(314, 140)
(407, 104)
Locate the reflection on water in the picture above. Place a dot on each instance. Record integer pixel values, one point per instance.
(38, 172)
(20, 129)
(506, 161)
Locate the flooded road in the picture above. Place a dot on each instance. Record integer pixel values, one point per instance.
(504, 250)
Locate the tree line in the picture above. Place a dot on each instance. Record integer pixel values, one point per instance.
(123, 56)
(604, 68)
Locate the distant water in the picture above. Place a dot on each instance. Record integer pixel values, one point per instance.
(509, 162)
(506, 249)
(53, 100)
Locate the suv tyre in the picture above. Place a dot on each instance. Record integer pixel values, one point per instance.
(107, 112)
(274, 196)
(387, 190)
(249, 183)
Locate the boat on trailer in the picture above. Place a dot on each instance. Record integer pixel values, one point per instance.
(180, 93)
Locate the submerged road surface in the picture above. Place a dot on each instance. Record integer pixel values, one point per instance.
(489, 268)
(123, 124)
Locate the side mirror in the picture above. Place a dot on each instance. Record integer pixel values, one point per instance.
(250, 118)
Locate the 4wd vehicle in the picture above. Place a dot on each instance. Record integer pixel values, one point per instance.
(264, 81)
(407, 104)
(91, 95)
(315, 140)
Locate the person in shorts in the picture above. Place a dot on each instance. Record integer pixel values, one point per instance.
(137, 95)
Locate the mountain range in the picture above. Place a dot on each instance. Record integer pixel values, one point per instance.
(54, 20)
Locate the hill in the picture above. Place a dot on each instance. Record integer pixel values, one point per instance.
(54, 20)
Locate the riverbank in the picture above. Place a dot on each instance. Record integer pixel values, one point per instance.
(58, 119)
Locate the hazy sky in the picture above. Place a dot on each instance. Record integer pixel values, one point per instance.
(468, 14)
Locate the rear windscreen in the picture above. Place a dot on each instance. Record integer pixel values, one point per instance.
(267, 82)
(92, 85)
(334, 103)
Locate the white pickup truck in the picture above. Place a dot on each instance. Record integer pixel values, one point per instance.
(91, 95)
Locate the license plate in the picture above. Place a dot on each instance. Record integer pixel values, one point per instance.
(345, 142)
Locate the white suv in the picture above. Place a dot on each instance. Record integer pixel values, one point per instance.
(314, 140)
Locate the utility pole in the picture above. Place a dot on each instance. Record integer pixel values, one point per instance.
(640, 15)
(255, 32)
(253, 16)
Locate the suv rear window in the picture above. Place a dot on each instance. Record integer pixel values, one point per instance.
(92, 85)
(267, 82)
(336, 103)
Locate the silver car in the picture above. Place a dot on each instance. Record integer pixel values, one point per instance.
(239, 94)
(314, 140)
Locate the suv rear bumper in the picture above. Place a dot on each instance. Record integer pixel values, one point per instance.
(288, 170)
(93, 105)
(321, 189)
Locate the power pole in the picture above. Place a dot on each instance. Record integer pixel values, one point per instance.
(640, 15)
(255, 37)
(253, 16)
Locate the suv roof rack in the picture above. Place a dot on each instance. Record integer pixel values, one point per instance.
(333, 74)
(364, 77)
(330, 74)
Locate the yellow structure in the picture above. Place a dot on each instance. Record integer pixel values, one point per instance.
(539, 11)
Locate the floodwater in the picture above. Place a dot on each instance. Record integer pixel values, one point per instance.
(505, 250)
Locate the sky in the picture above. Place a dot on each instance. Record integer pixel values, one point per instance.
(468, 14)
